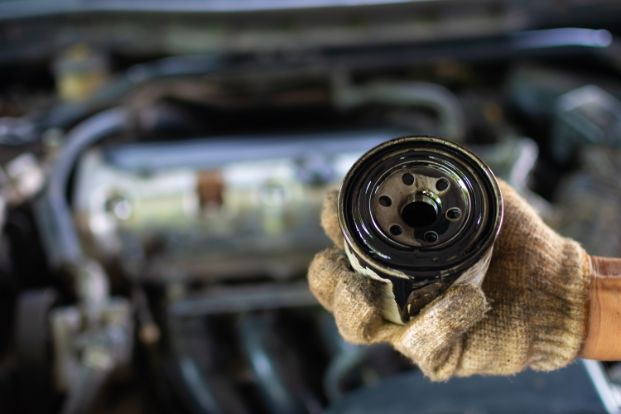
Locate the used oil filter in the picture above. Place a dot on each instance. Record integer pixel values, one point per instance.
(419, 214)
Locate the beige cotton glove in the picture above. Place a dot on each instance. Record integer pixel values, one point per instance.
(530, 312)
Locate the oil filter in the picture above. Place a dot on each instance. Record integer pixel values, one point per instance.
(419, 214)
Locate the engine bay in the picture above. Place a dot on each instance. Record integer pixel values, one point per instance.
(161, 195)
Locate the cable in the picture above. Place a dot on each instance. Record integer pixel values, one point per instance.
(53, 214)
(450, 113)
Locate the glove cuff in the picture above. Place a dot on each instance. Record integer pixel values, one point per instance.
(560, 306)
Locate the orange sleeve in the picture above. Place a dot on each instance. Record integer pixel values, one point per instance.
(603, 339)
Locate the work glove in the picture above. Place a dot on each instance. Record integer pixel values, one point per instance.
(530, 311)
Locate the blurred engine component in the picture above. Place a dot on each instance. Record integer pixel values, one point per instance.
(80, 72)
(587, 115)
(84, 359)
(203, 209)
(450, 120)
(567, 391)
(245, 349)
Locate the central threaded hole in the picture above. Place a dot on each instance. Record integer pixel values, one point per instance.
(419, 214)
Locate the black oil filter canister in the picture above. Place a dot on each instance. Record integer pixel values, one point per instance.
(419, 214)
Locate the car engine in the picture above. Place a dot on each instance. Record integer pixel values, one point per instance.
(163, 166)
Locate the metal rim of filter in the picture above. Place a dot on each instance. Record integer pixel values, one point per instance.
(419, 208)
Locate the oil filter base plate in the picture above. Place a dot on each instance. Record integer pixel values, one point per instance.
(419, 214)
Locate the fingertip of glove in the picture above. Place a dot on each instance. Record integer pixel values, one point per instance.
(330, 218)
(354, 299)
(357, 310)
(324, 272)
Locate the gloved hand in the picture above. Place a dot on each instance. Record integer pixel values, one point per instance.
(531, 310)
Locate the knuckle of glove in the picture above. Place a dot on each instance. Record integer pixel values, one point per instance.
(330, 219)
(520, 222)
(525, 242)
(357, 310)
(325, 271)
